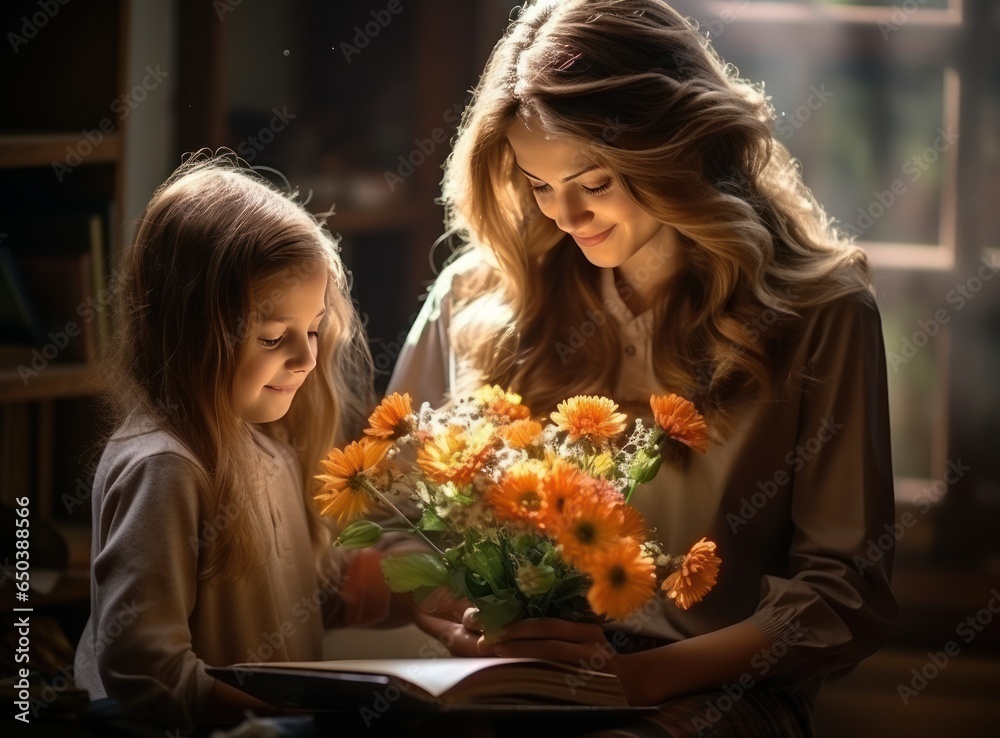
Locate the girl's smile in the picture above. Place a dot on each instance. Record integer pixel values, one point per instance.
(282, 355)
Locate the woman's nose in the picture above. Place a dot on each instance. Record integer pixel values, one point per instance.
(572, 214)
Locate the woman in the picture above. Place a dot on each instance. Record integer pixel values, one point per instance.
(633, 227)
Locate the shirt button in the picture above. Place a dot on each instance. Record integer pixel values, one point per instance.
(630, 350)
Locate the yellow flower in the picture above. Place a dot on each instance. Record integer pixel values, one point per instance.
(589, 416)
(390, 419)
(695, 577)
(680, 420)
(455, 456)
(520, 495)
(600, 465)
(501, 406)
(343, 492)
(521, 433)
(624, 579)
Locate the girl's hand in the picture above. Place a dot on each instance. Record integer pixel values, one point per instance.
(581, 644)
(442, 620)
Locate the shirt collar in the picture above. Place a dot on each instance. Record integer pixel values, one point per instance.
(635, 325)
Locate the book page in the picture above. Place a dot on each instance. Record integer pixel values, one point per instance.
(435, 676)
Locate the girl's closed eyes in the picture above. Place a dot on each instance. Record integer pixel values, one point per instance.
(275, 342)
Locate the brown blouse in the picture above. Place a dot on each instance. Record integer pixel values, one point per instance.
(799, 496)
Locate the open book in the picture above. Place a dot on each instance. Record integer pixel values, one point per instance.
(426, 684)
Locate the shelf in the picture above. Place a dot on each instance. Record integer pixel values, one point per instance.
(45, 149)
(54, 381)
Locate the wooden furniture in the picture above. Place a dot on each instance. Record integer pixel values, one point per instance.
(62, 182)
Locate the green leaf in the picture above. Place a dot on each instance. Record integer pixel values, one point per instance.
(495, 611)
(474, 584)
(487, 561)
(430, 520)
(463, 500)
(407, 572)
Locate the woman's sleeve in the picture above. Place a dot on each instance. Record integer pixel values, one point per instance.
(145, 589)
(426, 365)
(836, 607)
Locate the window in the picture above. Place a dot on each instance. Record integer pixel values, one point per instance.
(892, 107)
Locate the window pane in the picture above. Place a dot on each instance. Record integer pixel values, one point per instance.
(869, 133)
(988, 160)
(913, 368)
(940, 4)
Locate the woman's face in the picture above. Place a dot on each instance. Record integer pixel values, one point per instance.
(584, 200)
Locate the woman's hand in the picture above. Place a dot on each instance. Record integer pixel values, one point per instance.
(581, 644)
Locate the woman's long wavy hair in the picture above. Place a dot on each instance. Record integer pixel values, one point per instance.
(214, 246)
(634, 85)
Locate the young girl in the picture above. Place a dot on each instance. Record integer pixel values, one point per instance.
(238, 362)
(634, 228)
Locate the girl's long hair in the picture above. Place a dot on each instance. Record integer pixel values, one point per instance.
(633, 85)
(213, 250)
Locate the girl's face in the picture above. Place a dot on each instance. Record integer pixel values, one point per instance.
(283, 352)
(584, 200)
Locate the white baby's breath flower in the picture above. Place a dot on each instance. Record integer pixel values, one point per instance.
(421, 492)
(506, 457)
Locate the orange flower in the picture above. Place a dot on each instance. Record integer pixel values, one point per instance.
(501, 406)
(633, 524)
(343, 492)
(587, 528)
(695, 577)
(520, 495)
(680, 420)
(624, 579)
(590, 417)
(389, 421)
(521, 433)
(561, 483)
(454, 456)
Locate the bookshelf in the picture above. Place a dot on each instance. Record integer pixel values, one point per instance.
(62, 178)
(365, 136)
(354, 122)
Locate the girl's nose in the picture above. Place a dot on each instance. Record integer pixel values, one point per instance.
(303, 356)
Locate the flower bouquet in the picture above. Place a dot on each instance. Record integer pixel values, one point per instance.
(521, 518)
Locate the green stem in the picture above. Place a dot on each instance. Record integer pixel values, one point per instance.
(378, 493)
(631, 488)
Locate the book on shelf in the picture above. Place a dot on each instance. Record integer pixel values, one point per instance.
(61, 256)
(19, 321)
(62, 288)
(429, 685)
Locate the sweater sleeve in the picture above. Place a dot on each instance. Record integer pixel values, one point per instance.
(145, 589)
(426, 364)
(836, 607)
